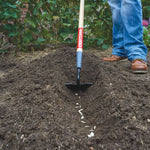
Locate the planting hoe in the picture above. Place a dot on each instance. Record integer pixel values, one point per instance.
(79, 86)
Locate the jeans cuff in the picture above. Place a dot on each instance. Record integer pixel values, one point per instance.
(136, 57)
(118, 54)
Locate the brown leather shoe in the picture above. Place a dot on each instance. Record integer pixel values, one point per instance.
(113, 58)
(139, 66)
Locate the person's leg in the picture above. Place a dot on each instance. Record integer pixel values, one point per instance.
(131, 14)
(118, 39)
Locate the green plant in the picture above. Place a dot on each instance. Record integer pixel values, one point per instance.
(54, 21)
(98, 20)
(146, 9)
(9, 14)
(146, 36)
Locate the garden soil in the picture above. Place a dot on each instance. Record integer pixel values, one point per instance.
(38, 112)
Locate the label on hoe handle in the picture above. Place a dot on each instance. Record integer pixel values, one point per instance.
(80, 38)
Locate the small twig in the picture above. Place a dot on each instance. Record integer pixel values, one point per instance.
(7, 46)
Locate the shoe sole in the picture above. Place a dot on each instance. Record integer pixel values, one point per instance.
(139, 71)
(123, 59)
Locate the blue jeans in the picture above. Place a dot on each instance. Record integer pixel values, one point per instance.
(128, 29)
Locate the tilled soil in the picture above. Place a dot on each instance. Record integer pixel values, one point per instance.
(37, 112)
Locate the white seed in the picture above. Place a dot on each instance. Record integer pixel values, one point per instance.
(148, 120)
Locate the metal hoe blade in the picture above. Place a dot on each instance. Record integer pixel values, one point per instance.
(76, 87)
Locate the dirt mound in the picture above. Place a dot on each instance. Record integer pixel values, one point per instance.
(38, 112)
